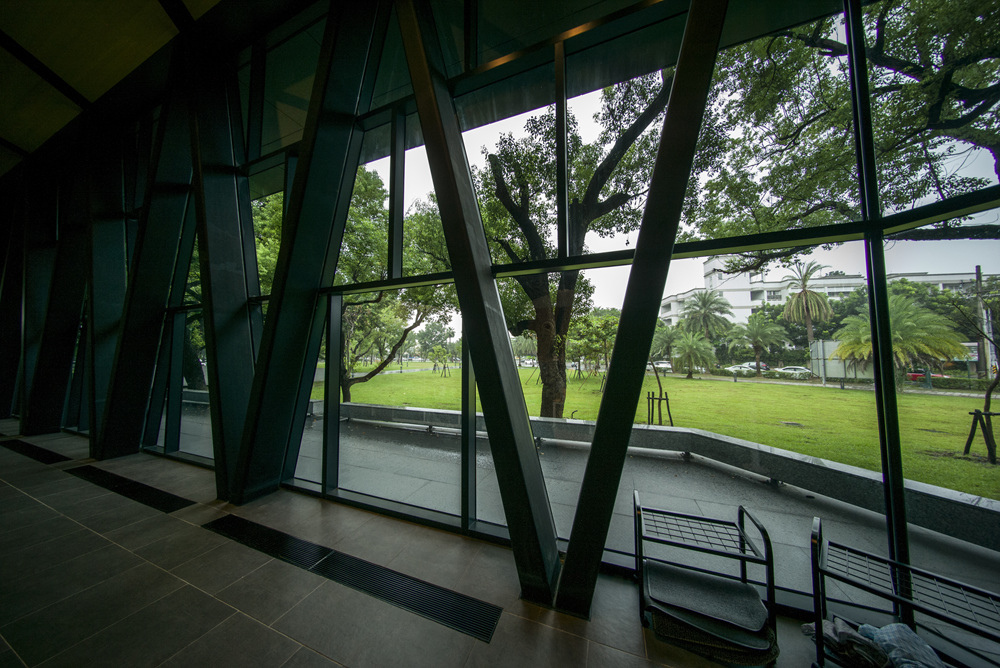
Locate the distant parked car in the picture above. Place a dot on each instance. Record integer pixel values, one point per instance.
(753, 365)
(793, 369)
(918, 375)
(741, 367)
(663, 364)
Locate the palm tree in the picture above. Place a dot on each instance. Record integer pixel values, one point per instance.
(759, 333)
(704, 313)
(806, 306)
(918, 336)
(663, 341)
(692, 350)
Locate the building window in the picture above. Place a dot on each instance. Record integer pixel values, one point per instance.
(774, 295)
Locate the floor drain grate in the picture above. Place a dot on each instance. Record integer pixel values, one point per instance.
(450, 608)
(38, 454)
(137, 491)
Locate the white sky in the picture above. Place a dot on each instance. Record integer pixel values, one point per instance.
(610, 283)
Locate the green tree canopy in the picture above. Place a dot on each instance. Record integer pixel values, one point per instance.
(919, 337)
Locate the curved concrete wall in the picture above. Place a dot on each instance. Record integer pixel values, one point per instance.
(963, 516)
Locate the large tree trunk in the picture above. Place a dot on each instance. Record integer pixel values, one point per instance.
(551, 359)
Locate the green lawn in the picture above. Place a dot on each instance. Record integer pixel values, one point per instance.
(827, 422)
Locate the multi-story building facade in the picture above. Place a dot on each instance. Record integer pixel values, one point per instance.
(747, 292)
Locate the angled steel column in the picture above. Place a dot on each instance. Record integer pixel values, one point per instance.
(331, 397)
(878, 298)
(39, 260)
(397, 169)
(313, 226)
(219, 191)
(11, 282)
(46, 397)
(108, 268)
(150, 275)
(647, 278)
(519, 474)
(562, 153)
(468, 436)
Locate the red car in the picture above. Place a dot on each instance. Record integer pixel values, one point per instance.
(919, 375)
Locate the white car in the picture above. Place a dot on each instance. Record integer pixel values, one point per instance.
(741, 367)
(663, 364)
(793, 369)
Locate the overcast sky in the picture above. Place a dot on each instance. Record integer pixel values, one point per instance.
(610, 283)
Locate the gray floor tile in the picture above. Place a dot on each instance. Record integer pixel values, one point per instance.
(239, 642)
(119, 517)
(180, 546)
(37, 533)
(47, 554)
(306, 658)
(45, 633)
(220, 567)
(26, 515)
(151, 635)
(338, 622)
(36, 589)
(614, 616)
(520, 642)
(271, 590)
(436, 556)
(140, 534)
(602, 656)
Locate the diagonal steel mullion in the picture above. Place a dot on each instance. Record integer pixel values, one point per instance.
(519, 474)
(151, 273)
(657, 234)
(312, 230)
(220, 191)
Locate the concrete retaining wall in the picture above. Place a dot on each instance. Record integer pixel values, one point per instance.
(970, 518)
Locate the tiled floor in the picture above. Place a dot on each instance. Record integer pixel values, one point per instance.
(88, 577)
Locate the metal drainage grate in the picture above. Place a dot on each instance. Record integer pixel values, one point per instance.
(270, 541)
(137, 491)
(446, 607)
(38, 454)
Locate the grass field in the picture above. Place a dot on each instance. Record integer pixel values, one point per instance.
(825, 422)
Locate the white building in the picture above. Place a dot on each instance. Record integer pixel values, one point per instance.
(748, 292)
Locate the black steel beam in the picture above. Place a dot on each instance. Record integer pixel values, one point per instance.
(108, 268)
(11, 282)
(397, 169)
(29, 60)
(562, 153)
(255, 100)
(43, 411)
(468, 436)
(641, 306)
(519, 473)
(331, 395)
(878, 299)
(221, 206)
(39, 217)
(179, 14)
(151, 274)
(312, 229)
(248, 238)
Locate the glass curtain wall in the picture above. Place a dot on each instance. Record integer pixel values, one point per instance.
(753, 349)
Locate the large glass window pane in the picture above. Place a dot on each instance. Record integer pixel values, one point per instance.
(400, 388)
(933, 74)
(288, 80)
(513, 166)
(944, 330)
(943, 321)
